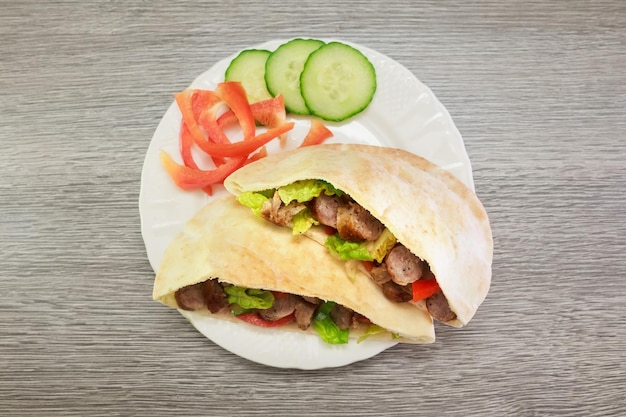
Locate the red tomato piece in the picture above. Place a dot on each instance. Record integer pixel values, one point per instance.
(253, 318)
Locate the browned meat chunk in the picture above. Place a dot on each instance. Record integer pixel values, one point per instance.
(356, 224)
(403, 266)
(191, 297)
(304, 313)
(312, 300)
(324, 209)
(275, 211)
(282, 307)
(342, 316)
(397, 293)
(380, 275)
(439, 308)
(214, 296)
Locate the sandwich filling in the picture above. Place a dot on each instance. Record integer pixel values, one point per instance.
(355, 236)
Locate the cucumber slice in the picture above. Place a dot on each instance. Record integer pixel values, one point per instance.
(283, 68)
(337, 82)
(249, 69)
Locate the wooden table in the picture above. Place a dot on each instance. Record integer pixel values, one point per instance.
(537, 90)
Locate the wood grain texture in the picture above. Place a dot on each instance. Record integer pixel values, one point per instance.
(536, 88)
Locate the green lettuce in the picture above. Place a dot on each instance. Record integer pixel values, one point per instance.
(327, 328)
(248, 298)
(371, 330)
(306, 190)
(253, 200)
(379, 248)
(303, 221)
(348, 250)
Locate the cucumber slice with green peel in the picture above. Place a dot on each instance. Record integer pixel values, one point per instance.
(337, 82)
(283, 68)
(249, 68)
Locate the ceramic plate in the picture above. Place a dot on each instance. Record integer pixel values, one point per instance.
(404, 114)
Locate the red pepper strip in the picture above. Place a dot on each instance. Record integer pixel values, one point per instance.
(424, 288)
(270, 113)
(234, 95)
(203, 99)
(246, 147)
(185, 151)
(260, 154)
(185, 104)
(193, 179)
(253, 318)
(318, 133)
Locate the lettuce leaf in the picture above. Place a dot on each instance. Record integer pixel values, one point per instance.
(253, 200)
(326, 327)
(306, 190)
(248, 298)
(372, 329)
(303, 221)
(379, 248)
(348, 250)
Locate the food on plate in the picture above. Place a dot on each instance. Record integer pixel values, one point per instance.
(283, 69)
(333, 81)
(206, 114)
(235, 266)
(413, 229)
(249, 68)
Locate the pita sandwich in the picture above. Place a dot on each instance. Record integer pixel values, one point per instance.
(412, 228)
(233, 265)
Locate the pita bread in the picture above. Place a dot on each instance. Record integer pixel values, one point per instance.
(225, 240)
(429, 210)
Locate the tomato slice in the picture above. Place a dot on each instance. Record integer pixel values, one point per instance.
(317, 134)
(192, 178)
(234, 95)
(424, 288)
(253, 318)
(245, 147)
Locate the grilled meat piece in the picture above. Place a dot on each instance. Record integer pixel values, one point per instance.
(356, 224)
(324, 209)
(379, 274)
(439, 308)
(191, 297)
(403, 266)
(304, 313)
(214, 296)
(397, 293)
(282, 307)
(275, 211)
(342, 316)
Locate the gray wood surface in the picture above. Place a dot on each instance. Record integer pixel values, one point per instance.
(536, 88)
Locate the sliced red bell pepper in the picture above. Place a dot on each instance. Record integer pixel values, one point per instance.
(270, 113)
(317, 134)
(185, 152)
(234, 95)
(245, 147)
(253, 318)
(424, 288)
(256, 156)
(202, 100)
(185, 104)
(193, 179)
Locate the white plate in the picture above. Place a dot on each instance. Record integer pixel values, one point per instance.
(403, 114)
